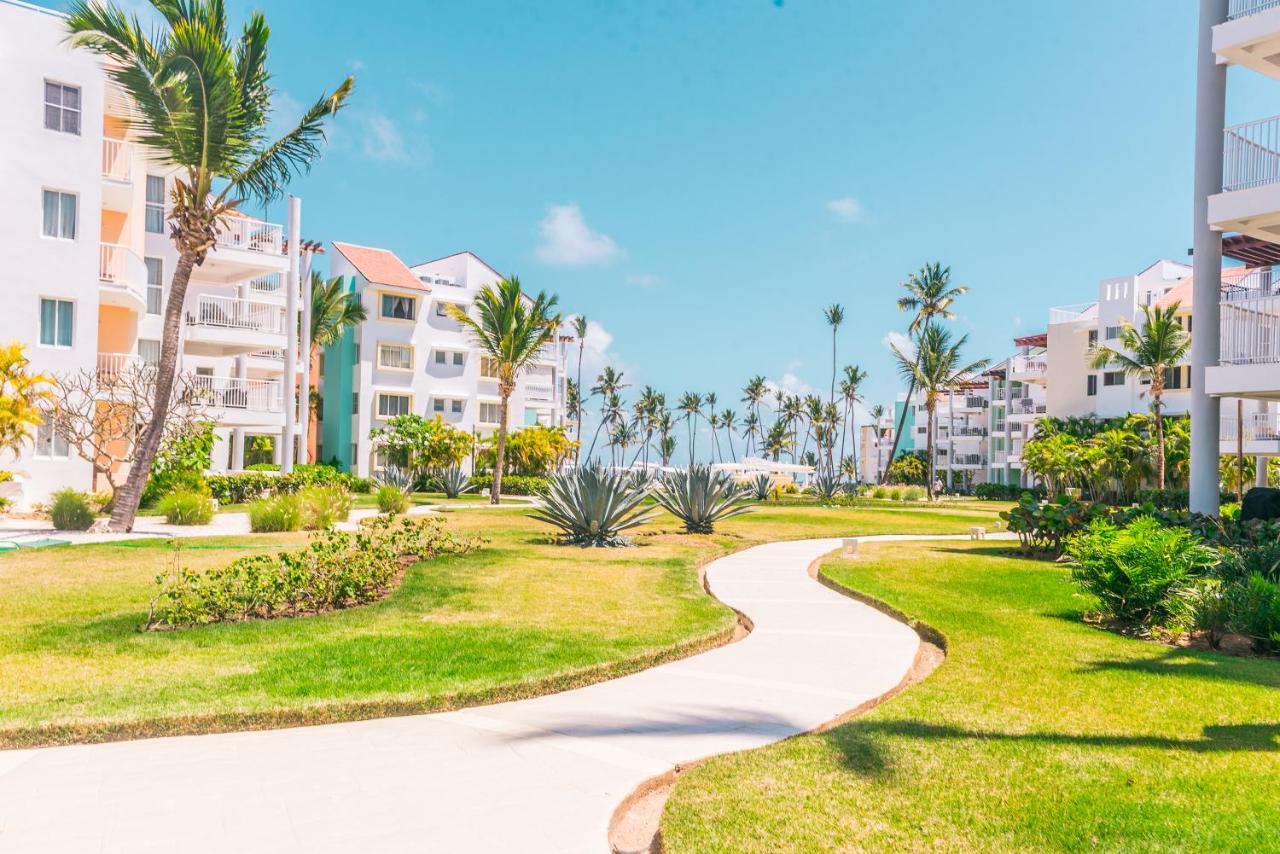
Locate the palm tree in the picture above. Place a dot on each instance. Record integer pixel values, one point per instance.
(201, 103)
(752, 393)
(573, 406)
(834, 315)
(690, 403)
(877, 412)
(23, 397)
(334, 310)
(853, 378)
(646, 409)
(729, 421)
(791, 414)
(608, 384)
(930, 295)
(666, 447)
(709, 401)
(510, 328)
(750, 429)
(778, 440)
(580, 330)
(935, 368)
(1152, 353)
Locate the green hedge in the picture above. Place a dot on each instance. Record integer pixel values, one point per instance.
(247, 486)
(1005, 491)
(512, 484)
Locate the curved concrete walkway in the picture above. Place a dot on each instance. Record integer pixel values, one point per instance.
(536, 775)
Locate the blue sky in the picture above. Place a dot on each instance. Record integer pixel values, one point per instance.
(702, 178)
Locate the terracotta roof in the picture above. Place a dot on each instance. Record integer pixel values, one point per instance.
(1040, 339)
(1181, 292)
(380, 266)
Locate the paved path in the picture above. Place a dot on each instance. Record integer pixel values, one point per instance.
(536, 775)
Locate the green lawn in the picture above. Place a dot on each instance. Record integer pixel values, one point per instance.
(1037, 733)
(370, 499)
(518, 617)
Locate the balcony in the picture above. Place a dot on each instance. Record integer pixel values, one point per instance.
(1261, 433)
(539, 394)
(271, 284)
(114, 369)
(245, 248)
(1027, 407)
(227, 326)
(972, 402)
(117, 174)
(969, 432)
(968, 461)
(1028, 369)
(1251, 36)
(234, 401)
(1250, 199)
(122, 278)
(1078, 313)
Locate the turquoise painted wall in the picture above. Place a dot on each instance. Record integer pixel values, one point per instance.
(339, 385)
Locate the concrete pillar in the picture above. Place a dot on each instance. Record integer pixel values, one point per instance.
(285, 445)
(1211, 95)
(237, 449)
(304, 353)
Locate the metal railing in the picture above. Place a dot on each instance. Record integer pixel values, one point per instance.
(968, 460)
(1258, 427)
(120, 266)
(274, 354)
(1245, 8)
(254, 235)
(116, 161)
(969, 431)
(1259, 282)
(112, 367)
(1251, 154)
(1027, 406)
(972, 402)
(1068, 313)
(538, 392)
(232, 313)
(1028, 365)
(271, 283)
(236, 393)
(1250, 332)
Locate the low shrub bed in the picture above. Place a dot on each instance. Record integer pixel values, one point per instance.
(71, 510)
(512, 484)
(184, 507)
(246, 486)
(336, 570)
(1005, 491)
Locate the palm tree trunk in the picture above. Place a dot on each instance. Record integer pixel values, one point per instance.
(929, 444)
(577, 452)
(1157, 404)
(127, 499)
(596, 436)
(495, 490)
(733, 455)
(902, 422)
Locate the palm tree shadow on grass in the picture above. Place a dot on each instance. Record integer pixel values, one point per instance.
(1196, 664)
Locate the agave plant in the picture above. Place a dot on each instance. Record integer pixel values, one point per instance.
(452, 482)
(700, 497)
(826, 486)
(398, 476)
(761, 487)
(593, 506)
(640, 479)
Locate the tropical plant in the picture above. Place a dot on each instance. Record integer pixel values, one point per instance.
(453, 482)
(202, 103)
(536, 450)
(23, 398)
(909, 467)
(826, 486)
(760, 487)
(71, 510)
(752, 393)
(700, 498)
(834, 315)
(935, 367)
(850, 383)
(391, 499)
(281, 512)
(1043, 527)
(593, 506)
(334, 310)
(580, 328)
(608, 386)
(324, 506)
(690, 404)
(422, 444)
(1149, 355)
(185, 507)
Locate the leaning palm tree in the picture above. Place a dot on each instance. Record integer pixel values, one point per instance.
(935, 368)
(1148, 355)
(930, 295)
(834, 315)
(509, 328)
(201, 102)
(580, 330)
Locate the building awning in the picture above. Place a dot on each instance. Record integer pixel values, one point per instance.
(1040, 339)
(1251, 251)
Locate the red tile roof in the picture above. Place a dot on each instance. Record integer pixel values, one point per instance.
(380, 266)
(1181, 292)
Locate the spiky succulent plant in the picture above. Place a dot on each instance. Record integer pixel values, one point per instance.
(452, 482)
(761, 486)
(826, 486)
(592, 506)
(700, 497)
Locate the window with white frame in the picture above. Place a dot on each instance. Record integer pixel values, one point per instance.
(149, 351)
(62, 107)
(1113, 332)
(49, 444)
(1113, 378)
(57, 322)
(455, 406)
(437, 404)
(441, 357)
(488, 368)
(395, 357)
(394, 307)
(391, 404)
(490, 413)
(153, 220)
(458, 358)
(59, 215)
(155, 285)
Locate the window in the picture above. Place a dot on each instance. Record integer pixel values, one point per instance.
(488, 367)
(1091, 385)
(457, 358)
(1110, 378)
(440, 357)
(489, 413)
(154, 218)
(442, 309)
(395, 357)
(149, 351)
(1093, 339)
(49, 444)
(455, 406)
(1113, 332)
(62, 107)
(355, 402)
(155, 285)
(1177, 378)
(57, 324)
(398, 308)
(59, 215)
(437, 405)
(391, 405)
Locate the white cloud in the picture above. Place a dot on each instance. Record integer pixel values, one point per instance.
(597, 351)
(356, 65)
(567, 240)
(901, 342)
(382, 139)
(847, 209)
(790, 383)
(285, 112)
(644, 280)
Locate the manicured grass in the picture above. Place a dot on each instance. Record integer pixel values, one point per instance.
(518, 617)
(1037, 733)
(371, 500)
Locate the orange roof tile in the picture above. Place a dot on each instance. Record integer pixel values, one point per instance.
(1181, 292)
(380, 266)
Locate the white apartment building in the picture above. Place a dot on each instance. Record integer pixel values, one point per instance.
(410, 356)
(961, 432)
(1018, 393)
(84, 236)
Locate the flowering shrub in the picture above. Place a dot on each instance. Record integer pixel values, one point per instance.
(336, 570)
(1043, 526)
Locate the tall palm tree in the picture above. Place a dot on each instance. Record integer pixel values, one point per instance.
(690, 403)
(202, 102)
(334, 310)
(850, 398)
(834, 315)
(729, 421)
(580, 330)
(930, 295)
(877, 412)
(709, 401)
(664, 424)
(573, 406)
(752, 393)
(608, 384)
(792, 413)
(778, 440)
(750, 429)
(510, 328)
(935, 367)
(1148, 355)
(646, 409)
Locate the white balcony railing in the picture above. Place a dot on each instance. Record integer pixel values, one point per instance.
(254, 235)
(539, 392)
(1258, 427)
(968, 460)
(271, 283)
(236, 393)
(1245, 8)
(113, 367)
(1251, 154)
(1028, 365)
(273, 354)
(232, 313)
(120, 266)
(1028, 406)
(116, 160)
(1250, 332)
(1068, 313)
(1259, 282)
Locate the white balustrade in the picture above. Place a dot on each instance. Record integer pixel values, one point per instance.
(254, 235)
(117, 160)
(233, 313)
(1244, 8)
(1251, 154)
(1250, 331)
(237, 393)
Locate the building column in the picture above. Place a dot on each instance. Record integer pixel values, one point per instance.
(1211, 95)
(287, 437)
(237, 449)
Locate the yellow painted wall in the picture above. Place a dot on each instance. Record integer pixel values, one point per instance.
(115, 227)
(117, 329)
(114, 127)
